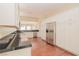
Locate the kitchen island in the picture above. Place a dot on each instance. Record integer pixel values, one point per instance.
(10, 41)
(6, 37)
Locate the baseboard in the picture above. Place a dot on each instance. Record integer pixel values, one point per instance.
(61, 48)
(66, 50)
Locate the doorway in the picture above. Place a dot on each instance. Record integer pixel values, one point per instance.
(51, 33)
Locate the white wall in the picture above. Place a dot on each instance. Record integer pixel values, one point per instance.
(8, 14)
(67, 30)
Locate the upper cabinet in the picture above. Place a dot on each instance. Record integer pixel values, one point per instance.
(9, 14)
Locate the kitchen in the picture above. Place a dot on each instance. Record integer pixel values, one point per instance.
(32, 29)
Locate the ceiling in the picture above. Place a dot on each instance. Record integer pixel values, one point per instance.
(39, 11)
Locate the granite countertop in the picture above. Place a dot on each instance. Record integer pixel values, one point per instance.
(29, 30)
(20, 52)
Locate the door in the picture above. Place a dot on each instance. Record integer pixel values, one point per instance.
(51, 33)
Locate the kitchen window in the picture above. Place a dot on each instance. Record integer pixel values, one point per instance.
(22, 27)
(26, 27)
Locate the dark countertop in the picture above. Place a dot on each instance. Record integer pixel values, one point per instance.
(29, 31)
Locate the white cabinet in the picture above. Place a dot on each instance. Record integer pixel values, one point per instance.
(9, 14)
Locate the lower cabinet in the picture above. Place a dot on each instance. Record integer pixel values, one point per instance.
(34, 34)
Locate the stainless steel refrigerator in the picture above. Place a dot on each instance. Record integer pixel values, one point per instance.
(51, 33)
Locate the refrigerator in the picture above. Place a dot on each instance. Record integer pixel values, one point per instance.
(50, 33)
